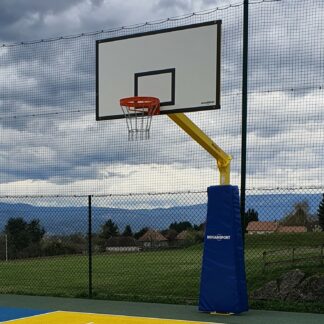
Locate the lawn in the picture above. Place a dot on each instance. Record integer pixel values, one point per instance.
(170, 276)
(166, 276)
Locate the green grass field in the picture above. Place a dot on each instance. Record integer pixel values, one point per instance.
(170, 276)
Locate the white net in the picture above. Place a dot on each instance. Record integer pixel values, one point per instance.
(138, 113)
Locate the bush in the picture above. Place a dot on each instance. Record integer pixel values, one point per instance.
(58, 248)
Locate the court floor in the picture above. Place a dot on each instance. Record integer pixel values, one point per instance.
(25, 316)
(50, 310)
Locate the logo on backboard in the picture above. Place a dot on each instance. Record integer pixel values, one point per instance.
(209, 102)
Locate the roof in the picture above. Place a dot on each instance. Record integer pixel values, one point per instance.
(152, 235)
(182, 235)
(292, 229)
(262, 226)
(121, 241)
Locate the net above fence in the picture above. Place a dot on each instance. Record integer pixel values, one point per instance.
(52, 144)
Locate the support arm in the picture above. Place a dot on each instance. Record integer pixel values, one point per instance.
(223, 159)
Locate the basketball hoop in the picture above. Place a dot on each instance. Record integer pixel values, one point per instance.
(138, 113)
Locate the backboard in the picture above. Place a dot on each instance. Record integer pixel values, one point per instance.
(180, 66)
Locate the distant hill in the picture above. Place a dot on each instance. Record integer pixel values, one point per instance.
(67, 220)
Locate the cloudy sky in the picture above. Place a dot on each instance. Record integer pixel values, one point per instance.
(36, 19)
(51, 143)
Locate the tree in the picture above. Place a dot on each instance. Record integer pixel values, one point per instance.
(108, 230)
(77, 238)
(18, 237)
(170, 234)
(36, 232)
(250, 216)
(320, 213)
(299, 216)
(24, 236)
(200, 227)
(128, 231)
(141, 232)
(181, 226)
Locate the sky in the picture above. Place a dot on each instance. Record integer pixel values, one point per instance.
(51, 143)
(37, 19)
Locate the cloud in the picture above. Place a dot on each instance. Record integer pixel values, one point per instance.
(37, 19)
(48, 147)
(19, 18)
(284, 51)
(120, 178)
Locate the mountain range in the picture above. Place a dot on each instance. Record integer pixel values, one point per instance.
(67, 220)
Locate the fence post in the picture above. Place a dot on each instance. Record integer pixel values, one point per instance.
(244, 104)
(90, 246)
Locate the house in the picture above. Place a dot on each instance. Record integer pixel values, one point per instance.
(292, 229)
(182, 237)
(153, 239)
(122, 244)
(255, 227)
(273, 227)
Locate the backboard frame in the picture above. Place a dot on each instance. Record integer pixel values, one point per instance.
(169, 70)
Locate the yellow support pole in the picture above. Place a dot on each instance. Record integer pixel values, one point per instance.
(223, 159)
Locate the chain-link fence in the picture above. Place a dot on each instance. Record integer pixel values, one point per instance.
(131, 246)
(44, 246)
(148, 247)
(284, 241)
(156, 249)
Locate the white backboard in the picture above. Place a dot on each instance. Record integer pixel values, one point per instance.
(180, 66)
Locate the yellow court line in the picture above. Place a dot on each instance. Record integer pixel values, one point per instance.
(83, 318)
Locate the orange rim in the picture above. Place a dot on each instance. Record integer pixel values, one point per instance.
(150, 103)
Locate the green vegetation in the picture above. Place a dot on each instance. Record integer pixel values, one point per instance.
(24, 238)
(165, 276)
(320, 214)
(170, 275)
(307, 246)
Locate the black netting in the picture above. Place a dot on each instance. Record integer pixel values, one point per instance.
(52, 145)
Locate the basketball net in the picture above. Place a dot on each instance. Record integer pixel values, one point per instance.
(138, 112)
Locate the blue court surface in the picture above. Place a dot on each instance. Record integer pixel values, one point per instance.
(9, 314)
(25, 316)
(16, 309)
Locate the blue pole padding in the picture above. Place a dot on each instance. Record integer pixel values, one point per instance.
(223, 281)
